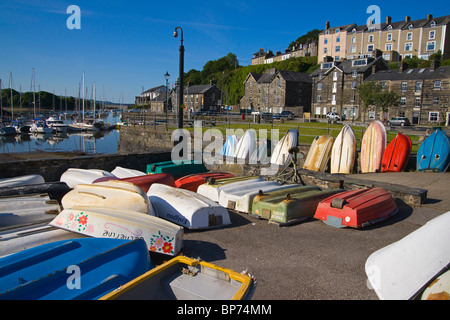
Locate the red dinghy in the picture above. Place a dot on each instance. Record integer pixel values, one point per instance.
(396, 155)
(356, 208)
(145, 181)
(193, 181)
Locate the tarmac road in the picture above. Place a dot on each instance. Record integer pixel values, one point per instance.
(311, 260)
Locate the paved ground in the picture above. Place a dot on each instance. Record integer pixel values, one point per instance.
(313, 261)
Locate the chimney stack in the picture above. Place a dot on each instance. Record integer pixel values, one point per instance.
(388, 20)
(403, 66)
(327, 25)
(407, 19)
(435, 64)
(429, 16)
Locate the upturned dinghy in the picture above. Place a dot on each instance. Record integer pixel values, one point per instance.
(319, 153)
(55, 190)
(74, 176)
(280, 155)
(49, 271)
(177, 169)
(193, 181)
(373, 145)
(289, 206)
(121, 172)
(403, 269)
(357, 208)
(22, 237)
(186, 208)
(343, 152)
(19, 210)
(109, 194)
(160, 235)
(434, 153)
(144, 181)
(212, 189)
(240, 197)
(246, 145)
(229, 145)
(21, 180)
(183, 278)
(396, 155)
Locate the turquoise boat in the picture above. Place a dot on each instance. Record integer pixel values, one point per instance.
(82, 269)
(434, 153)
(290, 206)
(177, 170)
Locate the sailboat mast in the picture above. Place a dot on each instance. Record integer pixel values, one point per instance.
(34, 97)
(1, 103)
(83, 97)
(93, 93)
(12, 98)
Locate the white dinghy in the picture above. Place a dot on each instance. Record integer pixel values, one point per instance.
(240, 197)
(246, 145)
(402, 270)
(21, 180)
(115, 194)
(100, 222)
(74, 176)
(281, 155)
(187, 208)
(212, 189)
(122, 173)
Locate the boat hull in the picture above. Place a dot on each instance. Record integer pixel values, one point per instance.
(55, 190)
(44, 271)
(169, 282)
(21, 180)
(319, 153)
(186, 208)
(161, 236)
(74, 176)
(298, 206)
(396, 155)
(280, 155)
(177, 170)
(229, 145)
(372, 147)
(401, 270)
(356, 208)
(343, 152)
(145, 181)
(192, 182)
(212, 189)
(434, 153)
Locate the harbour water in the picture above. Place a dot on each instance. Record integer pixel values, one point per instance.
(101, 142)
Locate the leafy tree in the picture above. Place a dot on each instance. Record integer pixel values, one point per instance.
(311, 35)
(368, 92)
(386, 99)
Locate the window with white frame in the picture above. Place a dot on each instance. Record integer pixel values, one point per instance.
(433, 117)
(338, 49)
(431, 45)
(337, 58)
(383, 86)
(325, 50)
(389, 37)
(354, 73)
(319, 99)
(338, 39)
(417, 102)
(389, 47)
(437, 84)
(389, 28)
(404, 86)
(408, 46)
(370, 48)
(354, 85)
(418, 86)
(432, 34)
(325, 41)
(435, 101)
(371, 38)
(403, 101)
(387, 56)
(319, 86)
(333, 99)
(353, 49)
(337, 30)
(433, 24)
(334, 87)
(353, 39)
(335, 76)
(409, 36)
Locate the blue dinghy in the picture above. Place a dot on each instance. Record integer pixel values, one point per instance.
(434, 153)
(229, 145)
(84, 269)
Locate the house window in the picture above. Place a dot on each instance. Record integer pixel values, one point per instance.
(370, 48)
(404, 86)
(437, 84)
(411, 26)
(325, 41)
(338, 39)
(335, 76)
(337, 58)
(409, 36)
(338, 48)
(354, 31)
(387, 56)
(433, 117)
(371, 38)
(334, 87)
(327, 32)
(418, 86)
(319, 98)
(417, 102)
(402, 101)
(337, 30)
(319, 86)
(432, 35)
(435, 101)
(389, 28)
(389, 37)
(333, 99)
(431, 45)
(433, 24)
(408, 46)
(389, 47)
(325, 50)
(383, 86)
(352, 49)
(354, 73)
(354, 85)
(353, 39)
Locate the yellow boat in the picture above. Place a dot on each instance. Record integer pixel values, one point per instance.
(183, 278)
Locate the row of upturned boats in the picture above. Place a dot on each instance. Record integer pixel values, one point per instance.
(92, 221)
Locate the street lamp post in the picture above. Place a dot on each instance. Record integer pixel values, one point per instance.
(167, 75)
(181, 92)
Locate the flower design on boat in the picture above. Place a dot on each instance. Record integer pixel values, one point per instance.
(162, 243)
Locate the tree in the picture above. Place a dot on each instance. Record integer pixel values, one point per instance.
(368, 92)
(386, 99)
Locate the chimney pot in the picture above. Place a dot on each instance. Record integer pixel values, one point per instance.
(327, 25)
(388, 20)
(407, 19)
(429, 16)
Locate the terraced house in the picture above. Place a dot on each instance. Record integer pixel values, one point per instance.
(424, 92)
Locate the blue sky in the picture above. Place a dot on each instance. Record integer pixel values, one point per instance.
(123, 46)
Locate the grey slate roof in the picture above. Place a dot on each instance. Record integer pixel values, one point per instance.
(347, 67)
(411, 74)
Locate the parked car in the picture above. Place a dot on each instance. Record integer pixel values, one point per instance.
(333, 116)
(287, 115)
(399, 121)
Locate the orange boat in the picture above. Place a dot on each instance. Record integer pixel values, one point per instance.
(193, 181)
(396, 155)
(356, 208)
(145, 181)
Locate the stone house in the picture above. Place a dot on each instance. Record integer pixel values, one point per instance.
(275, 91)
(198, 98)
(154, 99)
(307, 49)
(424, 92)
(335, 83)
